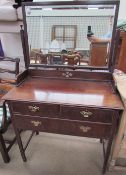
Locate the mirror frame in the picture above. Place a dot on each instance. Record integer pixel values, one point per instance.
(112, 55)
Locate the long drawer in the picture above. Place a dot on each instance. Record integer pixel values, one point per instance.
(62, 126)
(36, 109)
(86, 114)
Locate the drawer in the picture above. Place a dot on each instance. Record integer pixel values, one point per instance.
(86, 114)
(36, 109)
(61, 126)
(28, 122)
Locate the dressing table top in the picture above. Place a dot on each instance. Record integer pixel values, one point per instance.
(63, 91)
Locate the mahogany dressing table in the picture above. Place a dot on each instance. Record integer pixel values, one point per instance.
(64, 99)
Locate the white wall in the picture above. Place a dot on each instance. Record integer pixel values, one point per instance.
(122, 9)
(12, 45)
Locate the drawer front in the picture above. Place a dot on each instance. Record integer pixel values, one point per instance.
(86, 114)
(36, 109)
(68, 127)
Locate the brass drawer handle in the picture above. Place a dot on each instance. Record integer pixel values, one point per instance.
(85, 128)
(36, 123)
(33, 108)
(86, 114)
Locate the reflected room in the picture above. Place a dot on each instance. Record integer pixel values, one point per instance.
(70, 35)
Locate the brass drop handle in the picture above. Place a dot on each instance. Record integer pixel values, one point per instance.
(33, 108)
(36, 123)
(85, 128)
(86, 114)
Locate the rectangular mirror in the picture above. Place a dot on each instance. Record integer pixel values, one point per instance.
(70, 34)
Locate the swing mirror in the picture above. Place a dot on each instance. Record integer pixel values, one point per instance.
(77, 34)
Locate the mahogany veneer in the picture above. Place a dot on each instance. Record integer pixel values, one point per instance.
(65, 102)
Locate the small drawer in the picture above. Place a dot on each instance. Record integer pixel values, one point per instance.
(86, 114)
(36, 109)
(58, 126)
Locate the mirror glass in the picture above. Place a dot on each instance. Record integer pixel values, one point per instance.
(70, 34)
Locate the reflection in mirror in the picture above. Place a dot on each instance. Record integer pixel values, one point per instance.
(70, 35)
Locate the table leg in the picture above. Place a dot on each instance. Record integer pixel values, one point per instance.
(37, 132)
(107, 156)
(108, 150)
(19, 141)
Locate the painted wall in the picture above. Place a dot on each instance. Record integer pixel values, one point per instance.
(122, 9)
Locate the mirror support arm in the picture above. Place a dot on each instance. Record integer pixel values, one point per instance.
(24, 47)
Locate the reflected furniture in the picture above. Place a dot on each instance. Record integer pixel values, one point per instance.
(37, 57)
(64, 58)
(72, 59)
(99, 53)
(55, 58)
(5, 117)
(66, 99)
